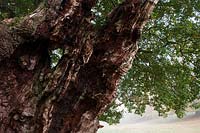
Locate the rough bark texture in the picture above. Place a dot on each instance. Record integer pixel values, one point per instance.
(68, 98)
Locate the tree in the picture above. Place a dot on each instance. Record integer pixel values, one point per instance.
(68, 97)
(165, 73)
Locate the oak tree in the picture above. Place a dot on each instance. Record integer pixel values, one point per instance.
(36, 96)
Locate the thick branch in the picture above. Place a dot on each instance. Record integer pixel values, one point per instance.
(9, 41)
(95, 85)
(70, 97)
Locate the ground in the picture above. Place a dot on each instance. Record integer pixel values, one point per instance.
(151, 123)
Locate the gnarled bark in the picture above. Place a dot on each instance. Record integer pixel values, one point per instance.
(68, 98)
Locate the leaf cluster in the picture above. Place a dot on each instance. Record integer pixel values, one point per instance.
(166, 71)
(16, 8)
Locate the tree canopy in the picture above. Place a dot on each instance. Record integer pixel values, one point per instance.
(166, 71)
(16, 8)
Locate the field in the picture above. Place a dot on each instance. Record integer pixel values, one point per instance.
(151, 123)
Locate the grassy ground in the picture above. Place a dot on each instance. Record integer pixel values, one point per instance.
(151, 124)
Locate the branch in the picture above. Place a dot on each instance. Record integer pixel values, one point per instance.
(9, 41)
(144, 51)
(114, 49)
(117, 39)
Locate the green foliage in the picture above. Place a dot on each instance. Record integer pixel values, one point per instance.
(166, 71)
(16, 8)
(102, 9)
(113, 114)
(55, 56)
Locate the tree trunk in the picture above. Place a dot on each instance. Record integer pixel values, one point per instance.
(69, 97)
